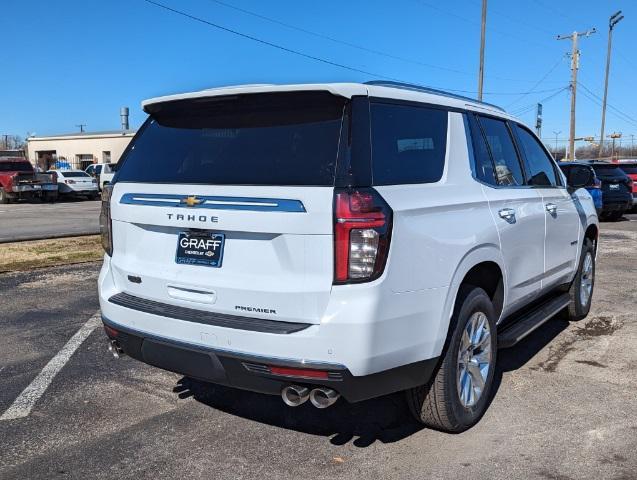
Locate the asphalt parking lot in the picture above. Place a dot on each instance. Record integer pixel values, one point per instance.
(30, 221)
(564, 407)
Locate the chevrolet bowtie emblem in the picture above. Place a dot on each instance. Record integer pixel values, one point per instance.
(191, 201)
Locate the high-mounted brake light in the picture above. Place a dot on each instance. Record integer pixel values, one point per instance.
(362, 230)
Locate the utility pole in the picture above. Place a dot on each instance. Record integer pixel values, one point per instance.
(556, 135)
(612, 21)
(482, 40)
(538, 120)
(81, 126)
(632, 144)
(574, 37)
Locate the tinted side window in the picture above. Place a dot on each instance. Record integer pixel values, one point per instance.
(507, 164)
(408, 143)
(483, 165)
(539, 166)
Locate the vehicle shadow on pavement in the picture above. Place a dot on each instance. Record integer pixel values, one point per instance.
(510, 359)
(386, 419)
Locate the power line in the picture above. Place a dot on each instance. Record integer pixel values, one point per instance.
(554, 10)
(468, 20)
(599, 104)
(336, 40)
(355, 45)
(592, 96)
(516, 20)
(311, 57)
(611, 106)
(528, 108)
(537, 84)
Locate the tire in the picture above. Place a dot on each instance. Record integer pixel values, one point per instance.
(579, 292)
(4, 199)
(614, 216)
(94, 196)
(438, 404)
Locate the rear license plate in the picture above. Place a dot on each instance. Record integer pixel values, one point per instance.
(196, 248)
(614, 186)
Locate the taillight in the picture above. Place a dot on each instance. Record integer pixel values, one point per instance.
(362, 231)
(106, 227)
(69, 182)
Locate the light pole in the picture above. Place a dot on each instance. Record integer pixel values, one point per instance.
(612, 21)
(482, 40)
(556, 135)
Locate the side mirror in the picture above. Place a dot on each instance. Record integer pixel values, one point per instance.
(579, 176)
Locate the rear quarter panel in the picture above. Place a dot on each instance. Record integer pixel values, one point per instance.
(441, 230)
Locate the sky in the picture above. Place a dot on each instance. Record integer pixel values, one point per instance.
(73, 62)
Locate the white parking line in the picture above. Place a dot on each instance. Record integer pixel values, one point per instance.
(22, 405)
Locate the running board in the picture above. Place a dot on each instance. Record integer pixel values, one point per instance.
(528, 322)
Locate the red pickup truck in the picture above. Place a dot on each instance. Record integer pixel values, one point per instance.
(18, 179)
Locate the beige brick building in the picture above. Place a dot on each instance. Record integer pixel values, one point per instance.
(77, 150)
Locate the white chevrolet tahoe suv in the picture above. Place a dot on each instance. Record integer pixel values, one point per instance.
(325, 240)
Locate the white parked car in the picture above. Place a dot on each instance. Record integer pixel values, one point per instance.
(326, 240)
(102, 172)
(76, 182)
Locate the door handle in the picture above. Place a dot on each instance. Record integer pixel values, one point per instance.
(507, 214)
(551, 208)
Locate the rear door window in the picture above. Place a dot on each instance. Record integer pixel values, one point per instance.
(508, 170)
(483, 165)
(287, 138)
(539, 167)
(408, 143)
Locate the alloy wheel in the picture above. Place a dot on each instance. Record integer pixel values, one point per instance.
(474, 359)
(586, 280)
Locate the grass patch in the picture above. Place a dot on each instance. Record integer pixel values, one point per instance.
(49, 253)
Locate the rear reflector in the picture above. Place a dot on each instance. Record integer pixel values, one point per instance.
(111, 332)
(299, 372)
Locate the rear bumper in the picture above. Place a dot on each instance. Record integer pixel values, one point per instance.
(250, 372)
(78, 190)
(30, 189)
(367, 330)
(616, 206)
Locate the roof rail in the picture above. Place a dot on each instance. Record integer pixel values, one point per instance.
(420, 88)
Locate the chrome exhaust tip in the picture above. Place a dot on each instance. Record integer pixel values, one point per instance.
(323, 397)
(295, 395)
(115, 349)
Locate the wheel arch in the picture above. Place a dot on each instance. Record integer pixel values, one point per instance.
(592, 233)
(482, 266)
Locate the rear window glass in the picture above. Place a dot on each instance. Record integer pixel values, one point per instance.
(631, 169)
(15, 167)
(608, 171)
(408, 143)
(74, 174)
(257, 139)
